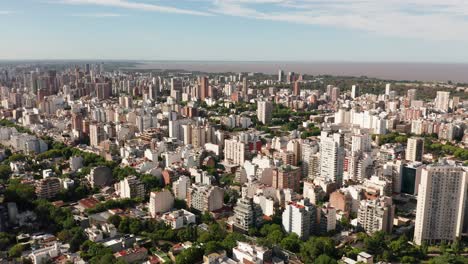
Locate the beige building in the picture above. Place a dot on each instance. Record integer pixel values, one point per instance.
(47, 188)
(415, 149)
(441, 207)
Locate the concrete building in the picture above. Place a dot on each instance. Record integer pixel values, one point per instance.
(300, 218)
(246, 253)
(47, 188)
(130, 187)
(415, 149)
(205, 198)
(441, 208)
(247, 214)
(264, 111)
(332, 157)
(179, 218)
(160, 202)
(100, 177)
(287, 177)
(180, 187)
(442, 101)
(96, 134)
(376, 215)
(234, 151)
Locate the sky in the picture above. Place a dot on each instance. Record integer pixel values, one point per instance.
(237, 30)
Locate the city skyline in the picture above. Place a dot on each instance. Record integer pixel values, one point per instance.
(235, 30)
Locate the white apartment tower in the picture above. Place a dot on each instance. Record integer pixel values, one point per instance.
(332, 157)
(415, 149)
(160, 202)
(376, 215)
(234, 151)
(264, 110)
(131, 187)
(181, 187)
(442, 199)
(442, 101)
(299, 218)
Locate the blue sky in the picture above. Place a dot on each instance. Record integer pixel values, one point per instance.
(305, 30)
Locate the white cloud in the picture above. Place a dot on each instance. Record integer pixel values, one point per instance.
(6, 12)
(98, 15)
(136, 6)
(423, 19)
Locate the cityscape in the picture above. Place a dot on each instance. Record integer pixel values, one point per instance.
(233, 132)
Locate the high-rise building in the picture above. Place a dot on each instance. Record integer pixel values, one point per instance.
(376, 215)
(264, 110)
(297, 88)
(442, 101)
(160, 202)
(442, 203)
(181, 187)
(410, 177)
(103, 91)
(96, 134)
(247, 214)
(131, 187)
(204, 85)
(411, 94)
(300, 218)
(388, 89)
(310, 159)
(335, 94)
(287, 177)
(415, 149)
(234, 151)
(47, 188)
(355, 91)
(205, 198)
(245, 88)
(332, 157)
(280, 76)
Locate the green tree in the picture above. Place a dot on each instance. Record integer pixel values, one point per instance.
(291, 242)
(5, 172)
(115, 220)
(212, 246)
(315, 247)
(325, 259)
(190, 255)
(457, 246)
(5, 240)
(16, 251)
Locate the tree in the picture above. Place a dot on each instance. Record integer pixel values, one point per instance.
(408, 260)
(16, 251)
(291, 242)
(115, 220)
(190, 255)
(5, 240)
(315, 247)
(448, 259)
(134, 226)
(5, 172)
(375, 244)
(212, 246)
(457, 246)
(324, 259)
(230, 241)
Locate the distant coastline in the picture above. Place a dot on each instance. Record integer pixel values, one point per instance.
(438, 72)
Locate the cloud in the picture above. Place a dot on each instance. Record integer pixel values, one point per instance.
(98, 15)
(6, 12)
(126, 4)
(422, 19)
